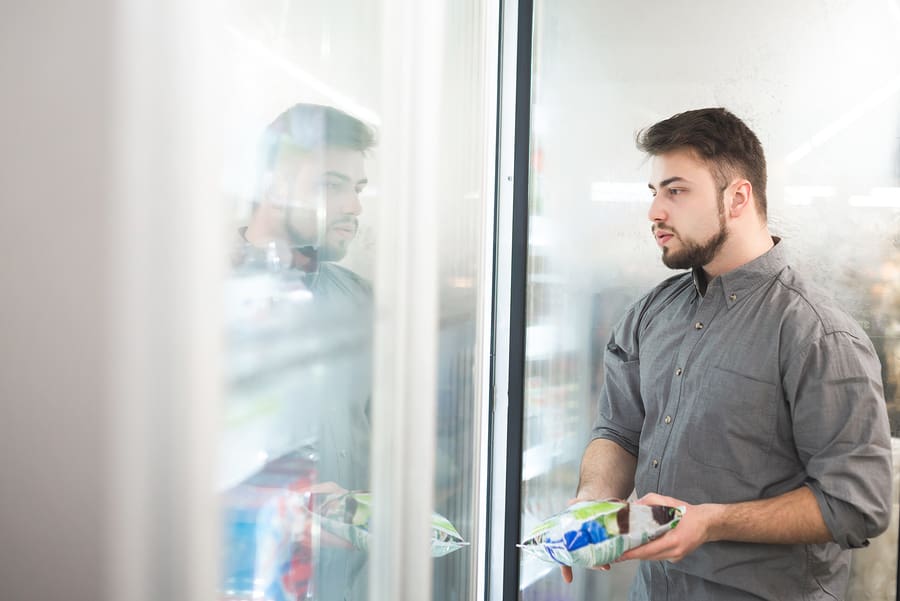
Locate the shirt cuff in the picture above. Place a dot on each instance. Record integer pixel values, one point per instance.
(846, 524)
(622, 441)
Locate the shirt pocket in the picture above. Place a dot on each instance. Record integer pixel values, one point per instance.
(620, 400)
(734, 422)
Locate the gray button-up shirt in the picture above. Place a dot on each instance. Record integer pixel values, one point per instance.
(336, 399)
(753, 389)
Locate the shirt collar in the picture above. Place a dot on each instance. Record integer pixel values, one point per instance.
(304, 259)
(739, 283)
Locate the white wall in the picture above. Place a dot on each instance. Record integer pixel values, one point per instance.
(55, 135)
(108, 352)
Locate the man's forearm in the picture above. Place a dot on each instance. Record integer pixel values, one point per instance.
(607, 470)
(791, 518)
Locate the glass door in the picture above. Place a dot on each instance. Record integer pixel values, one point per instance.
(358, 189)
(820, 84)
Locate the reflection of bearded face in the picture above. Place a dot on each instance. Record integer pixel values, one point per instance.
(320, 192)
(332, 244)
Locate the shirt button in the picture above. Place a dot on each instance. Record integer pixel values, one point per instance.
(668, 419)
(656, 463)
(679, 371)
(698, 326)
(733, 297)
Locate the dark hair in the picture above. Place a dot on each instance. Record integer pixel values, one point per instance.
(719, 138)
(307, 127)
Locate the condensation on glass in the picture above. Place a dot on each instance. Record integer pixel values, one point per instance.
(820, 84)
(302, 95)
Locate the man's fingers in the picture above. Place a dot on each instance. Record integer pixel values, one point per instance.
(657, 549)
(652, 498)
(568, 576)
(327, 487)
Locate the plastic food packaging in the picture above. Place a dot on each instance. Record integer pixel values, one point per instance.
(595, 533)
(347, 516)
(262, 516)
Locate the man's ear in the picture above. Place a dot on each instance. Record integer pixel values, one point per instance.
(274, 190)
(741, 199)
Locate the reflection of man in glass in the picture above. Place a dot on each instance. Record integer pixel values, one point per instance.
(304, 218)
(307, 206)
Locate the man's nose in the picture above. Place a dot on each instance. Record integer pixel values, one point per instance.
(352, 204)
(656, 212)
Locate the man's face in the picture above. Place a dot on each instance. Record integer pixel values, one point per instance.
(322, 204)
(687, 213)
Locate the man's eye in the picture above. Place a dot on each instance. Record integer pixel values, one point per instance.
(675, 191)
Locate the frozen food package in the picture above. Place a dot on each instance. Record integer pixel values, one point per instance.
(595, 533)
(347, 515)
(263, 517)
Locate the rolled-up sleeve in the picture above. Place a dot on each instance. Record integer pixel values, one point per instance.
(842, 435)
(620, 412)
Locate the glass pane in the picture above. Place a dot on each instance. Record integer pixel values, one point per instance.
(464, 211)
(820, 85)
(303, 94)
(301, 142)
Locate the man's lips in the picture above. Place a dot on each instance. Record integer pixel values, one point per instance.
(347, 229)
(663, 236)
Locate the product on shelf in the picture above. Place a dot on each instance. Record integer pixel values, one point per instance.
(595, 533)
(264, 519)
(347, 515)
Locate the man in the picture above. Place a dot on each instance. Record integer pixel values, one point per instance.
(306, 209)
(737, 390)
(304, 218)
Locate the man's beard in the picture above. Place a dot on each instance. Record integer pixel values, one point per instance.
(695, 255)
(322, 249)
(333, 252)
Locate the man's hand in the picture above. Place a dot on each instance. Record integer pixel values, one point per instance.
(692, 531)
(331, 488)
(791, 518)
(325, 538)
